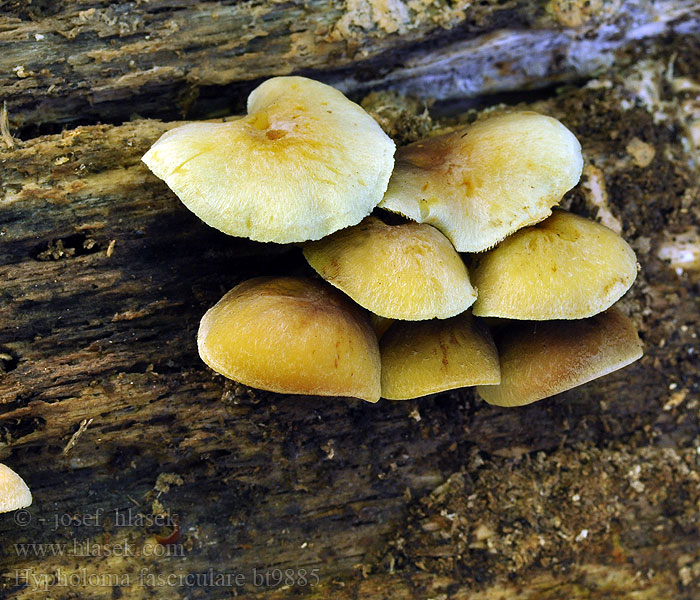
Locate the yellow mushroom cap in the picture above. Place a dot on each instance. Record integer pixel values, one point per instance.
(293, 336)
(409, 272)
(14, 493)
(303, 163)
(545, 358)
(426, 357)
(480, 184)
(566, 267)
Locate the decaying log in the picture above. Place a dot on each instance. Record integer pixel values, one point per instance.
(122, 433)
(67, 61)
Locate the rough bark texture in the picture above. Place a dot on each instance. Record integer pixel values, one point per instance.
(109, 415)
(86, 60)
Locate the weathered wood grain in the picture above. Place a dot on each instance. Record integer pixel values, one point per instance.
(104, 276)
(78, 61)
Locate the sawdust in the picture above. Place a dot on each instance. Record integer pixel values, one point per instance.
(403, 118)
(500, 517)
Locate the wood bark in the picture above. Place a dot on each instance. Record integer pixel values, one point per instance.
(82, 61)
(121, 431)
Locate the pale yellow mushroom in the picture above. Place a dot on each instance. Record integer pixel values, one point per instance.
(303, 163)
(426, 357)
(480, 184)
(14, 493)
(409, 272)
(566, 267)
(293, 336)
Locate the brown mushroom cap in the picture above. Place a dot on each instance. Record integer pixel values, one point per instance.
(409, 272)
(480, 184)
(426, 357)
(303, 163)
(566, 267)
(545, 358)
(14, 493)
(293, 336)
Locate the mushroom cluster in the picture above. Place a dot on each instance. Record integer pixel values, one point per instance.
(397, 311)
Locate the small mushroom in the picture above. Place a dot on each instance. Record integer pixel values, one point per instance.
(480, 184)
(292, 336)
(380, 324)
(540, 359)
(14, 493)
(409, 271)
(303, 163)
(426, 357)
(566, 267)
